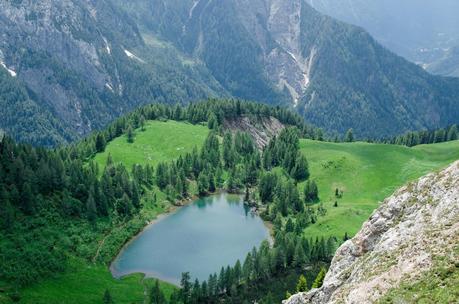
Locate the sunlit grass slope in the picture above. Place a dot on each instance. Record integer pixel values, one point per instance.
(161, 141)
(87, 284)
(367, 173)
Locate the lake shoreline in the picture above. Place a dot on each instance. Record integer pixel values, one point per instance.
(118, 272)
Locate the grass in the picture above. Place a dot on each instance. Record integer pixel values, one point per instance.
(87, 284)
(367, 173)
(161, 141)
(440, 284)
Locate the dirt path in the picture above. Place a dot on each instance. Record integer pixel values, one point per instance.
(102, 242)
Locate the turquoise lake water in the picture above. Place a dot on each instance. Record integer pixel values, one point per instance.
(199, 238)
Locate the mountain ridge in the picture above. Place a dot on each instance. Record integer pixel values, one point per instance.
(84, 63)
(411, 239)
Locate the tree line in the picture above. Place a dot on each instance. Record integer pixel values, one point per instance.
(280, 202)
(412, 139)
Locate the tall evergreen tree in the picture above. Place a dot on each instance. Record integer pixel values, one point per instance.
(107, 297)
(156, 294)
(100, 143)
(301, 169)
(319, 279)
(302, 285)
(452, 133)
(130, 134)
(349, 137)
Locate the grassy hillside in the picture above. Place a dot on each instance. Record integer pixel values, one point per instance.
(161, 141)
(367, 173)
(87, 284)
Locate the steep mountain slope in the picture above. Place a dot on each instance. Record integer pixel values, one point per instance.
(84, 63)
(288, 53)
(448, 65)
(407, 251)
(422, 31)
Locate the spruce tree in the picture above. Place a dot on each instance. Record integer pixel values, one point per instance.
(100, 143)
(130, 135)
(212, 122)
(319, 279)
(203, 183)
(107, 297)
(91, 211)
(299, 257)
(142, 123)
(349, 137)
(27, 199)
(302, 285)
(301, 169)
(452, 133)
(156, 294)
(185, 285)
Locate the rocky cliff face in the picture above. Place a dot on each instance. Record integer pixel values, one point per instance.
(44, 42)
(83, 63)
(412, 235)
(261, 129)
(285, 52)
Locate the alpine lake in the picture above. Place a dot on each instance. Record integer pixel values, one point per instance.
(198, 238)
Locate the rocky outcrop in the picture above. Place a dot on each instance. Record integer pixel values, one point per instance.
(404, 238)
(84, 62)
(261, 129)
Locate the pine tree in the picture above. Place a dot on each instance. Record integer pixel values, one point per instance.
(301, 169)
(237, 272)
(228, 151)
(212, 186)
(142, 123)
(91, 211)
(185, 284)
(125, 206)
(130, 135)
(203, 183)
(6, 214)
(349, 137)
(302, 285)
(212, 122)
(100, 143)
(107, 297)
(27, 199)
(311, 192)
(299, 257)
(452, 133)
(156, 294)
(162, 175)
(289, 226)
(319, 279)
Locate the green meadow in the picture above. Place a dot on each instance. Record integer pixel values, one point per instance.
(366, 173)
(160, 141)
(91, 281)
